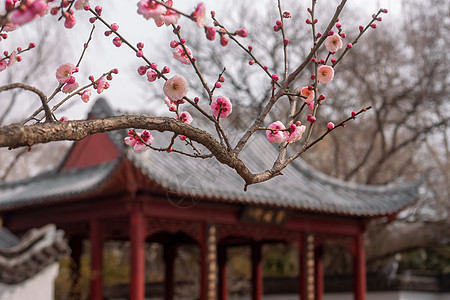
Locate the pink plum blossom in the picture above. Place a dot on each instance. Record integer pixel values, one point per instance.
(276, 136)
(330, 125)
(150, 9)
(70, 21)
(64, 72)
(170, 104)
(176, 87)
(170, 17)
(85, 96)
(325, 74)
(134, 140)
(295, 133)
(221, 105)
(12, 58)
(3, 65)
(152, 75)
(309, 94)
(333, 42)
(199, 14)
(29, 11)
(185, 117)
(101, 84)
(310, 105)
(70, 86)
(180, 55)
(80, 4)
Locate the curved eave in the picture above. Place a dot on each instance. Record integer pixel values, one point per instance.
(52, 187)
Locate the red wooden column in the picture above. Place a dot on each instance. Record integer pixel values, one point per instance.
(318, 273)
(257, 276)
(76, 247)
(203, 260)
(137, 255)
(170, 251)
(222, 264)
(359, 267)
(302, 284)
(96, 238)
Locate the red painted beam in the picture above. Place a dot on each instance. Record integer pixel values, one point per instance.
(137, 255)
(302, 267)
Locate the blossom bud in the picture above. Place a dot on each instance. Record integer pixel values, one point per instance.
(182, 41)
(93, 19)
(31, 45)
(91, 78)
(173, 44)
(373, 25)
(210, 33)
(250, 48)
(117, 41)
(142, 70)
(315, 21)
(361, 28)
(19, 49)
(139, 53)
(154, 66)
(333, 60)
(343, 35)
(140, 45)
(318, 35)
(353, 114)
(223, 40)
(196, 99)
(308, 21)
(87, 7)
(54, 10)
(330, 125)
(349, 45)
(338, 26)
(109, 77)
(276, 28)
(98, 10)
(314, 60)
(310, 87)
(309, 10)
(217, 85)
(222, 79)
(242, 33)
(114, 27)
(275, 77)
(379, 19)
(265, 67)
(19, 59)
(108, 32)
(313, 76)
(279, 23)
(165, 70)
(312, 120)
(286, 15)
(322, 61)
(321, 97)
(285, 42)
(384, 11)
(115, 71)
(330, 33)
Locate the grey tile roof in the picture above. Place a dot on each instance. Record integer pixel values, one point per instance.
(28, 256)
(300, 188)
(53, 186)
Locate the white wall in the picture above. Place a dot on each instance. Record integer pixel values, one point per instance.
(38, 287)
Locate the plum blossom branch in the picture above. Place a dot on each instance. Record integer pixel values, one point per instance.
(285, 85)
(48, 113)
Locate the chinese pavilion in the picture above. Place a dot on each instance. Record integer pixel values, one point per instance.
(106, 191)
